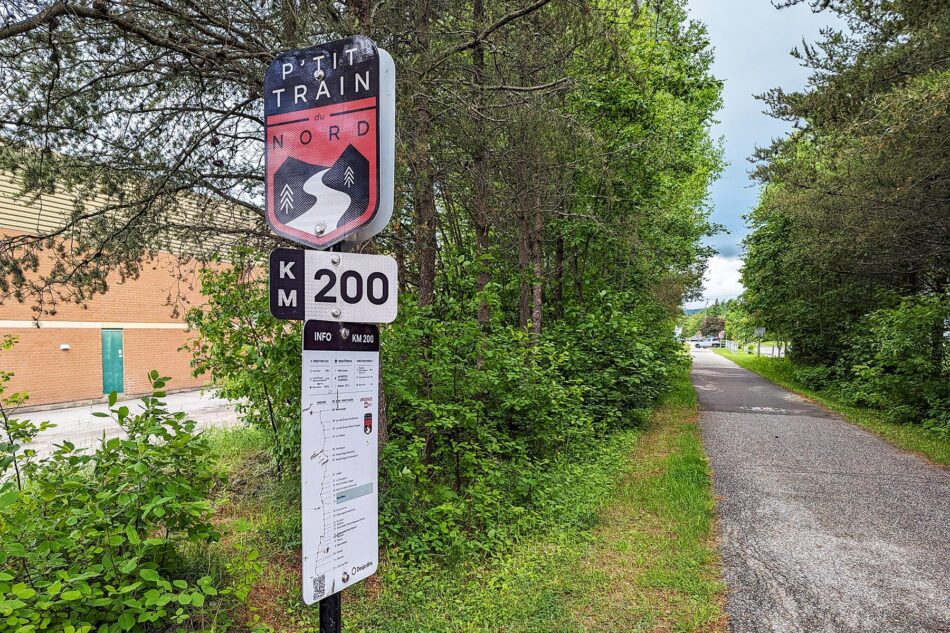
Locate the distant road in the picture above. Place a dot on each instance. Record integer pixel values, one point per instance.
(825, 528)
(79, 426)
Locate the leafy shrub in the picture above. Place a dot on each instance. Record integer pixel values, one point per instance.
(816, 378)
(252, 357)
(898, 360)
(622, 359)
(93, 542)
(476, 415)
(472, 418)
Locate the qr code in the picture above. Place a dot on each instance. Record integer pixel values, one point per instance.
(319, 585)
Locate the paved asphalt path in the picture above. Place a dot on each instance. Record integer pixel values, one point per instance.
(824, 527)
(82, 428)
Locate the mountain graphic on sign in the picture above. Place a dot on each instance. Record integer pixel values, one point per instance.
(317, 199)
(350, 174)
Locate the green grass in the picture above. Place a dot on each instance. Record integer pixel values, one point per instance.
(910, 437)
(634, 553)
(653, 565)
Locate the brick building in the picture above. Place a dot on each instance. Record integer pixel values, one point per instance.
(85, 351)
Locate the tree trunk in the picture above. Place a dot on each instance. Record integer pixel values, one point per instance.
(288, 14)
(524, 266)
(423, 197)
(423, 202)
(480, 190)
(557, 289)
(399, 252)
(363, 12)
(537, 266)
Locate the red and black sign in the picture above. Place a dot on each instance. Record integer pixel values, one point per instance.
(321, 109)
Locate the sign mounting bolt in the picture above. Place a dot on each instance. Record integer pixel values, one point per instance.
(336, 312)
(320, 229)
(336, 260)
(319, 74)
(345, 333)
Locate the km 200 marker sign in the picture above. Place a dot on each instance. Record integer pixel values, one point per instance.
(330, 142)
(331, 286)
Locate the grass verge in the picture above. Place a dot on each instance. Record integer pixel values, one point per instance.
(910, 437)
(652, 565)
(634, 553)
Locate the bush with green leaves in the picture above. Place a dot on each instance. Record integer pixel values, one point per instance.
(17, 433)
(622, 356)
(816, 377)
(252, 357)
(473, 418)
(94, 542)
(898, 360)
(476, 413)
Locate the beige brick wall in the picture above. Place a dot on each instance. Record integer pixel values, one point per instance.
(149, 309)
(146, 350)
(152, 297)
(50, 375)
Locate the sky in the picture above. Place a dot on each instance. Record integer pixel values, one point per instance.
(752, 41)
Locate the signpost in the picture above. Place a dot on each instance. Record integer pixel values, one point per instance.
(330, 130)
(759, 333)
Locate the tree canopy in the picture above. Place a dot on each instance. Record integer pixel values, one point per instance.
(564, 146)
(852, 226)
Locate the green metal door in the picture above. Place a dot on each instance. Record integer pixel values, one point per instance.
(112, 372)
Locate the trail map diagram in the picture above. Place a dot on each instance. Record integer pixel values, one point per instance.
(340, 407)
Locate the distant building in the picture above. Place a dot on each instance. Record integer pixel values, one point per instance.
(109, 344)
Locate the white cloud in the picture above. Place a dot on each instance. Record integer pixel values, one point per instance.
(721, 281)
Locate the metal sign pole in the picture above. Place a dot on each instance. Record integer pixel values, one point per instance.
(329, 165)
(331, 614)
(331, 607)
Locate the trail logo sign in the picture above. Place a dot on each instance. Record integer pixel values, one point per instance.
(330, 142)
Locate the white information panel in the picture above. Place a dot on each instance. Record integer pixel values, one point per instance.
(339, 491)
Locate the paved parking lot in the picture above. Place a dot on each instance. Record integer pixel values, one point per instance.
(79, 426)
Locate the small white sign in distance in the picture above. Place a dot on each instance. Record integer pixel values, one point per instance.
(339, 441)
(330, 286)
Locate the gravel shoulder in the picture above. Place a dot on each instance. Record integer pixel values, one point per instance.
(824, 526)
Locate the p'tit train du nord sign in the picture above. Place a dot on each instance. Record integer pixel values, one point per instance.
(330, 125)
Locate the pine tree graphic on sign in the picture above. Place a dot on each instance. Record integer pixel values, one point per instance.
(348, 177)
(286, 199)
